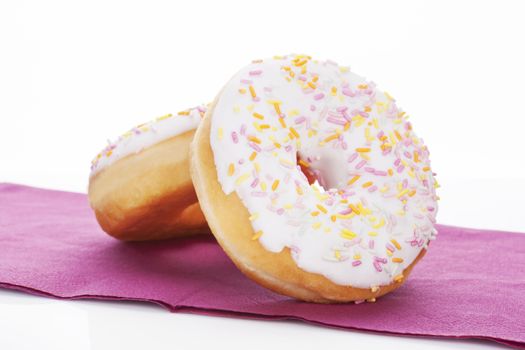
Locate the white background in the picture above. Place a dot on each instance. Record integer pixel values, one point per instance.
(73, 74)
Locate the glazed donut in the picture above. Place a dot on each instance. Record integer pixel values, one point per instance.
(140, 186)
(313, 181)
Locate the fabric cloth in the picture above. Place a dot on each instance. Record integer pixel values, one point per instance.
(471, 284)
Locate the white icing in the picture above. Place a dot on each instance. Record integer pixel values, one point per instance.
(389, 209)
(146, 135)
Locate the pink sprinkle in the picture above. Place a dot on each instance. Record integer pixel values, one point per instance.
(255, 182)
(335, 121)
(246, 81)
(369, 169)
(371, 244)
(381, 260)
(241, 161)
(254, 146)
(407, 154)
(400, 168)
(348, 92)
(372, 188)
(377, 266)
(346, 116)
(360, 164)
(396, 163)
(235, 138)
(430, 208)
(256, 72)
(352, 157)
(280, 211)
(390, 247)
(312, 108)
(243, 129)
(380, 173)
(341, 109)
(346, 211)
(300, 120)
(356, 263)
(319, 96)
(258, 194)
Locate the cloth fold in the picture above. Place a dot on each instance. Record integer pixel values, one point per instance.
(471, 283)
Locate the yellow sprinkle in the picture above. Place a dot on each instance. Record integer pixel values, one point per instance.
(252, 92)
(242, 91)
(241, 179)
(263, 186)
(357, 257)
(333, 91)
(254, 217)
(165, 117)
(275, 185)
(380, 224)
(346, 233)
(231, 169)
(426, 168)
(389, 253)
(353, 180)
(331, 137)
(398, 135)
(253, 155)
(257, 235)
(254, 139)
(312, 85)
(257, 167)
(412, 193)
(390, 172)
(333, 218)
(362, 149)
(282, 122)
(397, 260)
(354, 209)
(184, 113)
(376, 123)
(314, 213)
(276, 144)
(316, 225)
(416, 157)
(257, 127)
(294, 132)
(258, 116)
(367, 184)
(337, 254)
(264, 126)
(220, 131)
(396, 243)
(372, 233)
(399, 278)
(304, 163)
(402, 193)
(109, 153)
(299, 190)
(321, 208)
(362, 86)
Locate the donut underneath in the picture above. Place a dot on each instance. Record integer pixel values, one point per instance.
(229, 221)
(149, 195)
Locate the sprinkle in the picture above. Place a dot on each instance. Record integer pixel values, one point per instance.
(231, 169)
(275, 185)
(356, 263)
(397, 260)
(294, 132)
(304, 163)
(346, 233)
(254, 139)
(396, 243)
(316, 225)
(363, 150)
(258, 116)
(257, 235)
(255, 72)
(331, 137)
(252, 91)
(377, 266)
(319, 96)
(255, 146)
(321, 208)
(241, 179)
(235, 138)
(353, 180)
(360, 164)
(367, 184)
(253, 155)
(354, 209)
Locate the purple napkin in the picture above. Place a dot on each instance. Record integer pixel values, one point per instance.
(471, 283)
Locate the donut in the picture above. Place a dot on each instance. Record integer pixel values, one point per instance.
(140, 186)
(313, 181)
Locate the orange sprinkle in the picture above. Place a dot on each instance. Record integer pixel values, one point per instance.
(315, 78)
(242, 91)
(264, 126)
(275, 185)
(353, 180)
(291, 73)
(362, 86)
(367, 184)
(253, 155)
(254, 139)
(321, 208)
(334, 90)
(258, 116)
(184, 113)
(362, 149)
(304, 163)
(333, 218)
(397, 260)
(416, 157)
(368, 109)
(390, 172)
(231, 169)
(294, 132)
(396, 243)
(412, 193)
(252, 92)
(312, 85)
(426, 168)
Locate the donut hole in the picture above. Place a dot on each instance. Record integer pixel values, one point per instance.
(309, 173)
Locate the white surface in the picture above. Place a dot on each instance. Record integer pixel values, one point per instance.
(73, 74)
